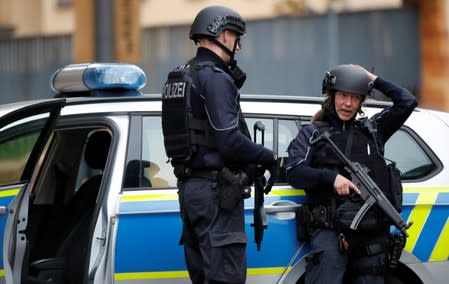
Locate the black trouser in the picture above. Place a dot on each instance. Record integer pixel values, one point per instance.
(214, 239)
(328, 263)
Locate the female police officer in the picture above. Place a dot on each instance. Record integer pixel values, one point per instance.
(336, 249)
(205, 93)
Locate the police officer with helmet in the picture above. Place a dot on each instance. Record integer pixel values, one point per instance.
(340, 254)
(209, 146)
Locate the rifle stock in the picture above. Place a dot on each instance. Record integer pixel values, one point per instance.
(370, 192)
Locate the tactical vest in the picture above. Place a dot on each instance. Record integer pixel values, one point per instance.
(358, 145)
(184, 121)
(183, 131)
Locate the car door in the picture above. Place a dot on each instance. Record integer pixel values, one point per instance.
(149, 227)
(147, 246)
(24, 133)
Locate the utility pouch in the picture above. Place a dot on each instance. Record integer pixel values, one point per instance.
(395, 186)
(346, 212)
(303, 218)
(232, 188)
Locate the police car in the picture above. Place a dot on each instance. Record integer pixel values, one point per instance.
(87, 194)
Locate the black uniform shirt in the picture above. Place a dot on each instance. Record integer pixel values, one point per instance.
(219, 103)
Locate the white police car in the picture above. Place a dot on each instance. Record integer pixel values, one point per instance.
(87, 195)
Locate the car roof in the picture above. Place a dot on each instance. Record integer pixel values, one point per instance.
(261, 98)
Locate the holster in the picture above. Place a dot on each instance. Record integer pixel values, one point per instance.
(397, 244)
(309, 217)
(232, 187)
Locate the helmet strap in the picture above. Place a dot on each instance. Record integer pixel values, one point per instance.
(232, 62)
(231, 53)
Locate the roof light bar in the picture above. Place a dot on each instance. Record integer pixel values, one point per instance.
(98, 77)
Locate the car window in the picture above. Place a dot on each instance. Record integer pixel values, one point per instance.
(286, 131)
(268, 132)
(156, 167)
(158, 172)
(16, 143)
(13, 157)
(74, 156)
(413, 160)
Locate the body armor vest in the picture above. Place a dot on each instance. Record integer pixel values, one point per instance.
(359, 146)
(184, 121)
(184, 128)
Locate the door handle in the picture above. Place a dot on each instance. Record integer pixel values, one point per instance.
(3, 210)
(282, 209)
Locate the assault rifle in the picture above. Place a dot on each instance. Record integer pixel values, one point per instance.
(370, 192)
(260, 221)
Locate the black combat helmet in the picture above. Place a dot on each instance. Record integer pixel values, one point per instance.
(347, 78)
(213, 20)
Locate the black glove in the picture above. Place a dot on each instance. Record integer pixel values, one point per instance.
(237, 75)
(250, 171)
(274, 175)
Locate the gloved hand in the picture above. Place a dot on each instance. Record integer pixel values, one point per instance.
(274, 175)
(238, 75)
(251, 171)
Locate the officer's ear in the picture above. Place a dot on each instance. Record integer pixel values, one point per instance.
(221, 37)
(227, 35)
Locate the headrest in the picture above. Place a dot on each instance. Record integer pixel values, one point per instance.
(97, 149)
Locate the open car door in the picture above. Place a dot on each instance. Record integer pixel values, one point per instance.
(24, 132)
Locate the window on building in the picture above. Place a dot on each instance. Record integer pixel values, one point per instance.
(64, 3)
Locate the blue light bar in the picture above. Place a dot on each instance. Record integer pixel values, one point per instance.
(98, 77)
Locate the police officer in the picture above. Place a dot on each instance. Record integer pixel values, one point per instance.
(340, 254)
(211, 203)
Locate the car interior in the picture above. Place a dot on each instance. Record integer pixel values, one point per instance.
(62, 205)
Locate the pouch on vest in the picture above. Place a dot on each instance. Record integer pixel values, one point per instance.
(395, 186)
